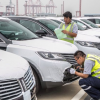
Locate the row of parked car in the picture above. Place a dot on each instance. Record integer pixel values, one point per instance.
(44, 57)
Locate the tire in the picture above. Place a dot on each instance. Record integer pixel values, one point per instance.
(37, 82)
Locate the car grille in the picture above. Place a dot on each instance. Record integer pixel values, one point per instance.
(9, 89)
(28, 79)
(69, 58)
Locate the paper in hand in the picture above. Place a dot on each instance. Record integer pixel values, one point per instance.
(59, 33)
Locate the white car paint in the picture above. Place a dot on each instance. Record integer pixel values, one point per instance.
(28, 49)
(9, 62)
(13, 67)
(50, 70)
(91, 35)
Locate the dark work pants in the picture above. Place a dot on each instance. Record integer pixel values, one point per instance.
(91, 86)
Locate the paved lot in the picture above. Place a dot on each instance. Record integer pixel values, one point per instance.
(87, 98)
(67, 92)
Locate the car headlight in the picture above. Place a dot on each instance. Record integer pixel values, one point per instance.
(98, 37)
(88, 44)
(51, 56)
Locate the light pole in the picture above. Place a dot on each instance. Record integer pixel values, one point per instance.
(80, 7)
(79, 12)
(26, 7)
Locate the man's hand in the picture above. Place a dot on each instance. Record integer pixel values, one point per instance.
(81, 69)
(69, 33)
(65, 32)
(72, 71)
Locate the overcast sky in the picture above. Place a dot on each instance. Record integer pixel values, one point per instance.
(88, 6)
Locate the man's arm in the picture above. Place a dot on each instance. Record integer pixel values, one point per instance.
(88, 65)
(74, 31)
(82, 75)
(69, 33)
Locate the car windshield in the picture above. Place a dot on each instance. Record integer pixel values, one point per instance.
(14, 31)
(62, 19)
(90, 23)
(54, 25)
(80, 27)
(49, 23)
(97, 21)
(56, 21)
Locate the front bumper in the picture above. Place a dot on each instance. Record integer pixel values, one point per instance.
(70, 78)
(26, 96)
(66, 80)
(52, 72)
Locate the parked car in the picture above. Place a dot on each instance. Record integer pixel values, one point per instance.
(95, 20)
(16, 78)
(85, 40)
(48, 58)
(83, 28)
(82, 21)
(85, 23)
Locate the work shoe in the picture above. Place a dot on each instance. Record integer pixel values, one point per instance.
(94, 99)
(91, 99)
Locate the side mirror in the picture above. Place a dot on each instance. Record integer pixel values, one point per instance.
(40, 33)
(84, 27)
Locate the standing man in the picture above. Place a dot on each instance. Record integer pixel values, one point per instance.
(91, 73)
(69, 27)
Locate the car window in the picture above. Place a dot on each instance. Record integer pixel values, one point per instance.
(90, 23)
(14, 31)
(25, 23)
(62, 20)
(49, 23)
(81, 26)
(34, 27)
(97, 21)
(56, 21)
(92, 20)
(16, 20)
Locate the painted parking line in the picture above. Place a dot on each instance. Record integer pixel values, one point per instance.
(79, 95)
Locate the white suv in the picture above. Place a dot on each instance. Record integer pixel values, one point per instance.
(16, 78)
(48, 57)
(95, 20)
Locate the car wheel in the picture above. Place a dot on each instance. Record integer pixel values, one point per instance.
(37, 81)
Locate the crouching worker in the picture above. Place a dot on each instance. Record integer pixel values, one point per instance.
(90, 81)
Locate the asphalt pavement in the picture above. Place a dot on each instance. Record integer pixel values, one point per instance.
(68, 92)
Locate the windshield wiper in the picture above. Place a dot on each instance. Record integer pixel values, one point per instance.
(28, 39)
(33, 38)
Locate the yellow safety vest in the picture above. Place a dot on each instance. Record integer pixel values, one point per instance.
(70, 29)
(95, 72)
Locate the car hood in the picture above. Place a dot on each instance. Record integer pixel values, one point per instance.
(92, 32)
(12, 66)
(48, 45)
(87, 38)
